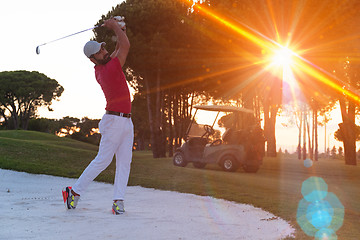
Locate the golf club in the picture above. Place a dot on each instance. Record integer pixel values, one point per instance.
(38, 47)
(118, 18)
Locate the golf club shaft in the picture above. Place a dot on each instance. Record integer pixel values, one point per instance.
(117, 18)
(70, 35)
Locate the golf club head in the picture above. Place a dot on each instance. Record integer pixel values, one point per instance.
(38, 50)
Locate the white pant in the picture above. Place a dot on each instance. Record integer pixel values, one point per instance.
(117, 136)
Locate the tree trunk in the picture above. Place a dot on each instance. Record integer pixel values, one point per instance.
(304, 137)
(163, 126)
(316, 158)
(176, 121)
(300, 131)
(184, 113)
(16, 122)
(141, 143)
(171, 131)
(155, 117)
(270, 113)
(151, 117)
(257, 107)
(309, 138)
(15, 117)
(2, 113)
(348, 130)
(24, 119)
(313, 135)
(350, 152)
(158, 151)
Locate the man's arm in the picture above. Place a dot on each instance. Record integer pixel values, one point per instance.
(122, 41)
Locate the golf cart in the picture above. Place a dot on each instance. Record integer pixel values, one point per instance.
(242, 144)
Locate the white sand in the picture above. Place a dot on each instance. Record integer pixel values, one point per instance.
(31, 207)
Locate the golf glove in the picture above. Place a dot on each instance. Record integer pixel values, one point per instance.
(120, 20)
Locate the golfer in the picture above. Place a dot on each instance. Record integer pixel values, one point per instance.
(116, 127)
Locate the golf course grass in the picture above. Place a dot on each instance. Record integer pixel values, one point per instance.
(276, 187)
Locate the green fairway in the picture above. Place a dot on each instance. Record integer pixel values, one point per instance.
(276, 187)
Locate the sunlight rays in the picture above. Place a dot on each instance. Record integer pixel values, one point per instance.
(237, 28)
(200, 78)
(300, 64)
(272, 14)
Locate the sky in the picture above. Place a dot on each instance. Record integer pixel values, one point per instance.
(27, 24)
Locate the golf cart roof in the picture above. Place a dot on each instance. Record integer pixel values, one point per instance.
(222, 108)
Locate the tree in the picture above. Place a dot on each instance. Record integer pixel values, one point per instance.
(43, 125)
(87, 133)
(343, 133)
(22, 92)
(340, 136)
(87, 126)
(141, 121)
(333, 152)
(348, 111)
(155, 29)
(341, 48)
(85, 130)
(67, 125)
(340, 151)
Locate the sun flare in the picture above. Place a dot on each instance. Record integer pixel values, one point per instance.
(282, 57)
(284, 61)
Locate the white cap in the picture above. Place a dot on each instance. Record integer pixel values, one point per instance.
(92, 47)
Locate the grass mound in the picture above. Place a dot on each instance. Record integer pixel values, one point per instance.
(37, 152)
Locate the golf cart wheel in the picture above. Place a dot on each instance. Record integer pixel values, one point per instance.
(199, 164)
(251, 168)
(229, 163)
(179, 159)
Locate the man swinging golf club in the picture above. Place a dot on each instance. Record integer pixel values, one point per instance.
(116, 127)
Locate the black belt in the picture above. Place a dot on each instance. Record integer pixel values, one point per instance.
(126, 115)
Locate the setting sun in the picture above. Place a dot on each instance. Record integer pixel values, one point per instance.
(282, 57)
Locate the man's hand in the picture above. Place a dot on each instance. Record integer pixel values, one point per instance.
(121, 22)
(111, 24)
(122, 42)
(115, 22)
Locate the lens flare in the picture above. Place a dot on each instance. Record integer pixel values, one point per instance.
(320, 213)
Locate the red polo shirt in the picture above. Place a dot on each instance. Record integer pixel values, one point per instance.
(113, 83)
